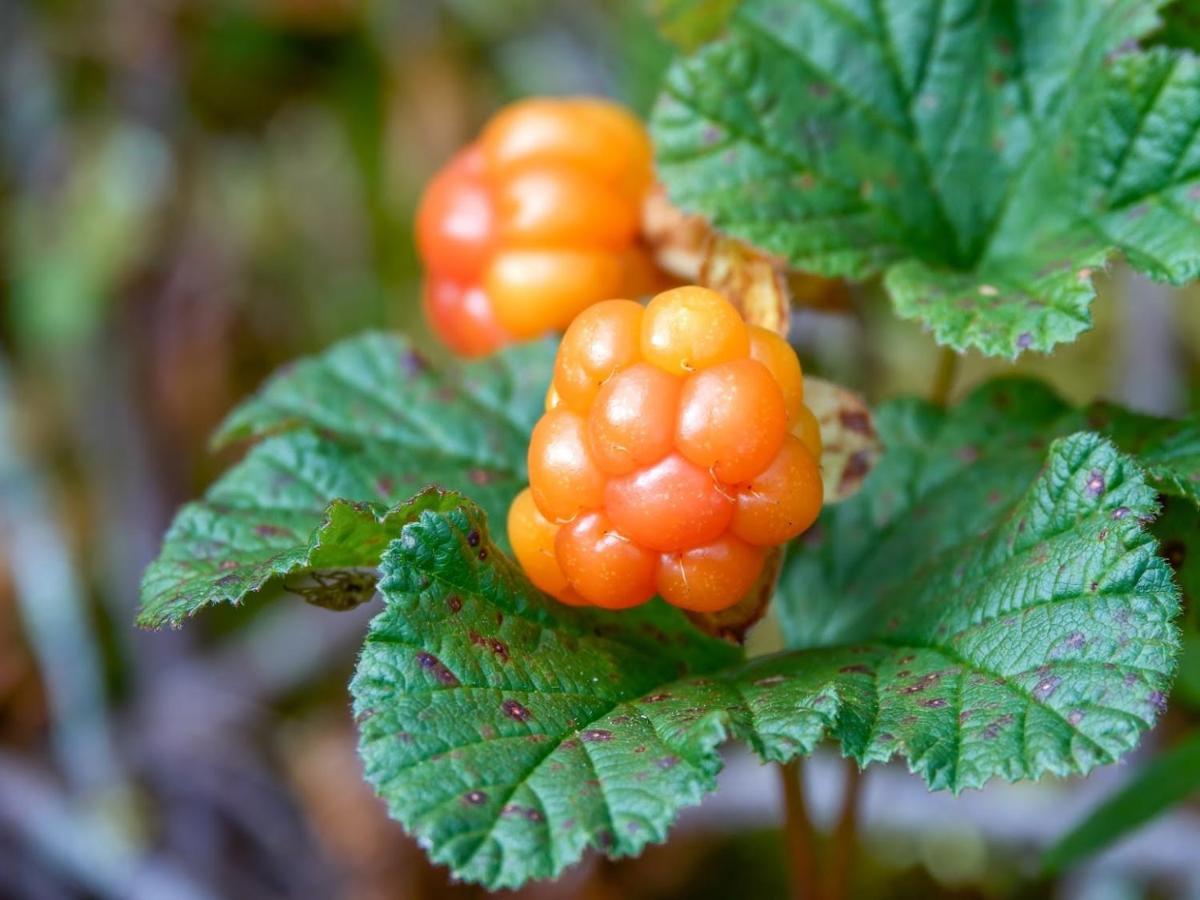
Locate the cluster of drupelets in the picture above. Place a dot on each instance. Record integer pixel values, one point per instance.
(676, 449)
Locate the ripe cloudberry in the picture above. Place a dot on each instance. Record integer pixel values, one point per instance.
(535, 221)
(676, 449)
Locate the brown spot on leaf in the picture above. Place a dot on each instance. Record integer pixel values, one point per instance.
(515, 710)
(596, 736)
(1046, 687)
(435, 667)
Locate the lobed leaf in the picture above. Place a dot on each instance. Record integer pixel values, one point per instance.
(985, 159)
(347, 436)
(510, 734)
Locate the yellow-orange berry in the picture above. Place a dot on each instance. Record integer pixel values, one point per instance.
(781, 502)
(535, 291)
(808, 430)
(780, 359)
(690, 328)
(601, 341)
(535, 221)
(463, 317)
(731, 419)
(563, 477)
(661, 474)
(532, 537)
(632, 420)
(603, 566)
(711, 577)
(670, 505)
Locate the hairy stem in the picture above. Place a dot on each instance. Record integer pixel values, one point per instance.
(943, 378)
(845, 836)
(798, 833)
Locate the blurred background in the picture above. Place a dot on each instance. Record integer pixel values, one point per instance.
(193, 192)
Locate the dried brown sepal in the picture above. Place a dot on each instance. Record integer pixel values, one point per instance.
(731, 624)
(754, 282)
(851, 446)
(761, 285)
(678, 241)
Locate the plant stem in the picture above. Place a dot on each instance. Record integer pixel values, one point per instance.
(797, 833)
(845, 836)
(943, 378)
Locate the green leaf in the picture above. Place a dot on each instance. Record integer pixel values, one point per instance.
(946, 477)
(510, 734)
(984, 159)
(1181, 25)
(1171, 778)
(689, 23)
(349, 435)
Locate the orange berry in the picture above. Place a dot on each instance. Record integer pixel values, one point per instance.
(712, 577)
(535, 291)
(560, 206)
(456, 220)
(782, 501)
(570, 597)
(690, 328)
(592, 134)
(809, 431)
(564, 479)
(671, 505)
(541, 217)
(732, 419)
(552, 399)
(601, 341)
(604, 567)
(632, 420)
(781, 361)
(532, 537)
(642, 277)
(463, 318)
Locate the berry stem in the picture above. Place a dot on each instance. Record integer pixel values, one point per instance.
(944, 376)
(798, 834)
(845, 835)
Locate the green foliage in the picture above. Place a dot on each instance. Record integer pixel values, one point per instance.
(1181, 25)
(1171, 778)
(510, 733)
(350, 434)
(990, 604)
(985, 160)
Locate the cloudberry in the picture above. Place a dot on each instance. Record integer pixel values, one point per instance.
(534, 222)
(675, 451)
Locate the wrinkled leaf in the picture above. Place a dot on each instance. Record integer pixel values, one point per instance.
(510, 734)
(987, 163)
(349, 435)
(761, 285)
(944, 476)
